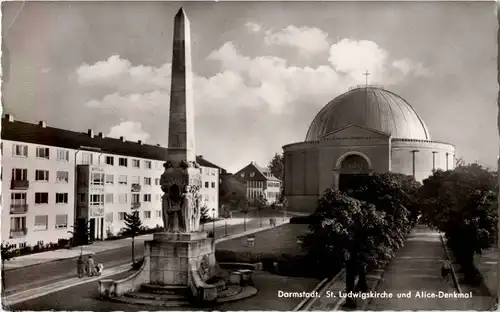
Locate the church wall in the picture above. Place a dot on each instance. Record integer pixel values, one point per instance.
(402, 158)
(312, 182)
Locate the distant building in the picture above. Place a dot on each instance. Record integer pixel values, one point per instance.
(56, 178)
(231, 189)
(259, 180)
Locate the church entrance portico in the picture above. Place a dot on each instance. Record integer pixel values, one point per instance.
(349, 169)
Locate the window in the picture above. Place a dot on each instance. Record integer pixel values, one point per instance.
(110, 160)
(62, 155)
(62, 176)
(19, 174)
(20, 150)
(212, 171)
(252, 174)
(122, 162)
(17, 223)
(122, 179)
(205, 197)
(61, 198)
(18, 199)
(96, 199)
(109, 217)
(41, 223)
(147, 181)
(61, 221)
(157, 197)
(42, 175)
(157, 181)
(109, 198)
(136, 163)
(213, 184)
(121, 216)
(206, 184)
(122, 198)
(242, 174)
(110, 179)
(147, 197)
(82, 198)
(147, 164)
(147, 214)
(135, 198)
(42, 152)
(135, 180)
(87, 158)
(97, 178)
(41, 198)
(158, 213)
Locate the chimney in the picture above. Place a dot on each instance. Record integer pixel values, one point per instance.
(139, 142)
(9, 117)
(158, 145)
(42, 124)
(90, 133)
(201, 156)
(122, 139)
(100, 135)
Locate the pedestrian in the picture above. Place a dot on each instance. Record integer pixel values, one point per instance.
(90, 266)
(446, 270)
(80, 266)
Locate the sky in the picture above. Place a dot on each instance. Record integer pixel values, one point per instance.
(262, 70)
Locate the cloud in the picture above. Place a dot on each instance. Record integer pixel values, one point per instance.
(308, 40)
(406, 66)
(130, 130)
(253, 27)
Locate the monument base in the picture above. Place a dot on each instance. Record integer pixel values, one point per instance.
(180, 268)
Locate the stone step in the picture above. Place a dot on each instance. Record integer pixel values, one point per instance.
(153, 296)
(246, 291)
(165, 289)
(230, 290)
(152, 302)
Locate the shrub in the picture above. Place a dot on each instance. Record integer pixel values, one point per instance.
(311, 219)
(137, 265)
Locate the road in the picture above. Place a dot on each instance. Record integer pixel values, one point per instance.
(46, 273)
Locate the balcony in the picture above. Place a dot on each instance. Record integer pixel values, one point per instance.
(19, 184)
(136, 205)
(136, 187)
(16, 233)
(18, 208)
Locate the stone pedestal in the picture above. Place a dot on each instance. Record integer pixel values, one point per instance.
(174, 258)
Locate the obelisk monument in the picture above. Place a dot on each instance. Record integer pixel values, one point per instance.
(181, 180)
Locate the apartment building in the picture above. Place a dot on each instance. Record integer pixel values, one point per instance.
(210, 177)
(55, 177)
(259, 180)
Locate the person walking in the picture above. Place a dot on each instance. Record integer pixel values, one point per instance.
(90, 266)
(80, 266)
(446, 270)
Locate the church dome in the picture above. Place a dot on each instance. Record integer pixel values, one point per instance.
(373, 108)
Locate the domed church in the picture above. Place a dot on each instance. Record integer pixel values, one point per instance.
(367, 129)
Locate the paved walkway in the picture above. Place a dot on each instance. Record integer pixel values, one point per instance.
(417, 269)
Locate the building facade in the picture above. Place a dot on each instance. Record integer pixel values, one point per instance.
(259, 181)
(365, 130)
(54, 177)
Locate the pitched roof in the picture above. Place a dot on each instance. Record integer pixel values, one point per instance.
(21, 131)
(265, 172)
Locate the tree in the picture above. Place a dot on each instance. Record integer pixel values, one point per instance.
(245, 210)
(462, 204)
(133, 225)
(204, 214)
(7, 254)
(81, 233)
(276, 166)
(350, 233)
(261, 202)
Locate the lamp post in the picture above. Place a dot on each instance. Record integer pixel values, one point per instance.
(225, 226)
(213, 221)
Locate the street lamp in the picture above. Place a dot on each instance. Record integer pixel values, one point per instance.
(213, 221)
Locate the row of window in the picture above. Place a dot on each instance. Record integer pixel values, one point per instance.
(109, 198)
(40, 175)
(40, 198)
(98, 178)
(207, 184)
(21, 150)
(121, 215)
(41, 222)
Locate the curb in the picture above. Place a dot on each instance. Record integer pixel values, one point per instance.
(448, 256)
(306, 300)
(257, 230)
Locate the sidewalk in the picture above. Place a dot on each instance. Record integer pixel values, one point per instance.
(97, 246)
(416, 268)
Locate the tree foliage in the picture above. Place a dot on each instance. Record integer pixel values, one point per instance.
(133, 226)
(7, 254)
(276, 166)
(204, 214)
(462, 203)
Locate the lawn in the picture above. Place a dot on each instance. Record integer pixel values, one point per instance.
(278, 240)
